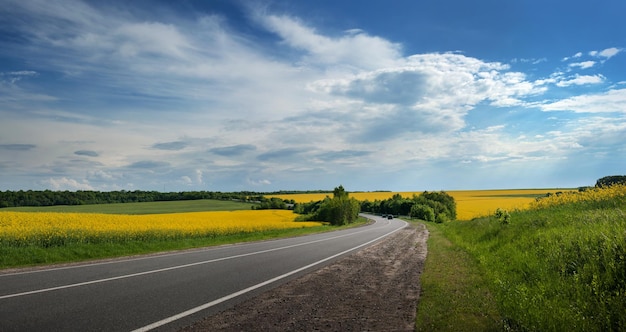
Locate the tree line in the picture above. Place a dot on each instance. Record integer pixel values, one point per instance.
(82, 197)
(429, 206)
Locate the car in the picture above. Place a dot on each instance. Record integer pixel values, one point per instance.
(390, 216)
(383, 215)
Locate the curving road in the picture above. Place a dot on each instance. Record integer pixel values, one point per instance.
(168, 291)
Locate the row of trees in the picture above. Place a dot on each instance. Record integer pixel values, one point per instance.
(48, 197)
(428, 206)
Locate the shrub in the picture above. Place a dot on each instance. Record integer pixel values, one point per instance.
(503, 216)
(423, 212)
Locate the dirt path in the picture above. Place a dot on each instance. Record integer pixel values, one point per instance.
(375, 289)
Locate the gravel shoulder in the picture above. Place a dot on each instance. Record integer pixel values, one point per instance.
(375, 289)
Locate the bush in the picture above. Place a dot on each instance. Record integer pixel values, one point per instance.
(339, 210)
(610, 180)
(441, 218)
(503, 216)
(442, 204)
(423, 212)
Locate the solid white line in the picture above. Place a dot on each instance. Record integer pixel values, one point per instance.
(251, 288)
(170, 268)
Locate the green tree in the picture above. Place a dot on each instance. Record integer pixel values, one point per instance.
(423, 212)
(443, 205)
(340, 209)
(611, 180)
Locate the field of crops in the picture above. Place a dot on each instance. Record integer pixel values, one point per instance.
(470, 203)
(47, 229)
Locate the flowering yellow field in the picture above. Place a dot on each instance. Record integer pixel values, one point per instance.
(469, 203)
(50, 228)
(592, 194)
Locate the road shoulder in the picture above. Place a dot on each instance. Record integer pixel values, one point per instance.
(376, 288)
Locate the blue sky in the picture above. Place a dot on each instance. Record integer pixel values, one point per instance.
(280, 95)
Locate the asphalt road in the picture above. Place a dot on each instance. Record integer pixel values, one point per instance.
(168, 291)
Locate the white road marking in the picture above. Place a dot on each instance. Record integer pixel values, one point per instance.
(251, 288)
(168, 268)
(115, 261)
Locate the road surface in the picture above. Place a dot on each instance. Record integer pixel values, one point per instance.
(168, 291)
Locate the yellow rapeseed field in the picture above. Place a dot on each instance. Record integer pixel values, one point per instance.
(469, 203)
(49, 228)
(591, 194)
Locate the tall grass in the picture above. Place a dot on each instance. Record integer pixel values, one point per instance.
(559, 266)
(454, 294)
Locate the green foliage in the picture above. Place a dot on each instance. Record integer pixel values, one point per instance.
(455, 293)
(272, 203)
(83, 197)
(446, 205)
(610, 180)
(307, 208)
(503, 216)
(441, 218)
(557, 268)
(442, 205)
(339, 210)
(422, 212)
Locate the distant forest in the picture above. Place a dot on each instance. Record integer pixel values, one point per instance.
(49, 197)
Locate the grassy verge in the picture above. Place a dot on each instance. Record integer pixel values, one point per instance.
(558, 267)
(23, 256)
(454, 292)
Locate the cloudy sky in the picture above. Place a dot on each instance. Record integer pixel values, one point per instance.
(225, 95)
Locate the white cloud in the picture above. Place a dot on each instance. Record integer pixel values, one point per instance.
(259, 182)
(199, 179)
(152, 38)
(581, 80)
(575, 56)
(354, 48)
(195, 102)
(609, 52)
(612, 101)
(606, 53)
(583, 65)
(64, 183)
(428, 92)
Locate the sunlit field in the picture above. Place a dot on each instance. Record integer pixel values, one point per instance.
(470, 203)
(47, 229)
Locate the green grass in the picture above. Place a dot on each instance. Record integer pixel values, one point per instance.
(143, 207)
(561, 268)
(454, 290)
